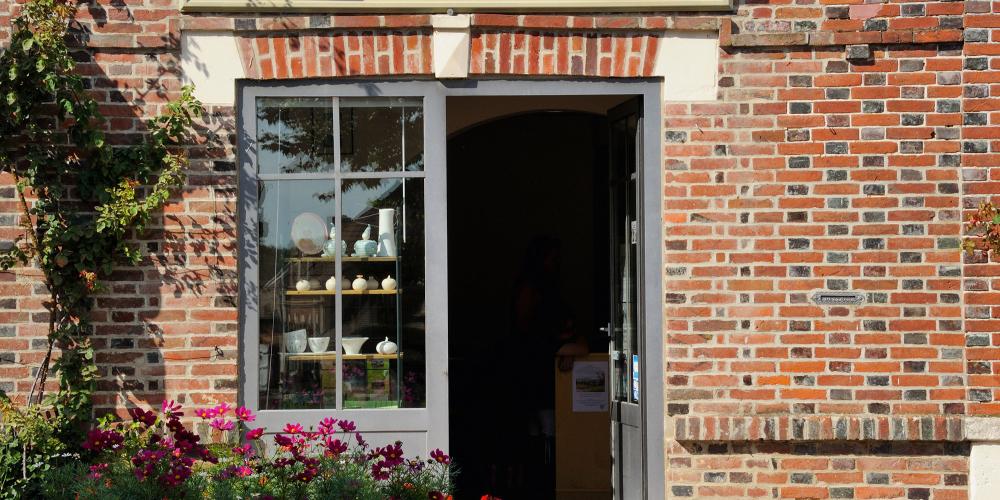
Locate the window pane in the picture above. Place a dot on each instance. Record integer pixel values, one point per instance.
(295, 135)
(297, 351)
(383, 221)
(381, 134)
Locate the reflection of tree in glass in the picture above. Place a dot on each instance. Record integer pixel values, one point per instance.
(381, 139)
(302, 137)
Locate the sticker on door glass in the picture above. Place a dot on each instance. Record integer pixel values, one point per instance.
(635, 377)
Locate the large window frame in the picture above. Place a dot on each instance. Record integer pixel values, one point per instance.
(432, 420)
(412, 421)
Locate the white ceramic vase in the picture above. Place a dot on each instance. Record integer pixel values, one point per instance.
(302, 285)
(352, 345)
(360, 283)
(319, 344)
(388, 283)
(372, 283)
(331, 284)
(386, 232)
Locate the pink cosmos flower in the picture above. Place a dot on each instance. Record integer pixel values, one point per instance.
(334, 446)
(171, 408)
(243, 414)
(255, 434)
(293, 428)
(147, 418)
(245, 450)
(222, 424)
(222, 408)
(347, 426)
(327, 426)
(205, 413)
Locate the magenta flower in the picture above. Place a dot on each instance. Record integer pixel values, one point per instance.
(243, 414)
(171, 408)
(327, 426)
(98, 440)
(222, 408)
(245, 450)
(282, 440)
(293, 428)
(222, 424)
(440, 457)
(347, 426)
(335, 447)
(96, 470)
(147, 418)
(255, 434)
(205, 413)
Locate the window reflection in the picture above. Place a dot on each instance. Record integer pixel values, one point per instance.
(381, 134)
(295, 135)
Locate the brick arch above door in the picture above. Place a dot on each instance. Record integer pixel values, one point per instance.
(410, 53)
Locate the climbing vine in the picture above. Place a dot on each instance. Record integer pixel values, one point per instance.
(985, 224)
(81, 199)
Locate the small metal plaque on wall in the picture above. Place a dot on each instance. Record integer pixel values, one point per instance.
(838, 298)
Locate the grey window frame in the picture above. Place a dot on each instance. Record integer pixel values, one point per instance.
(433, 419)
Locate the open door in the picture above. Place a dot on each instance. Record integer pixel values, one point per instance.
(626, 325)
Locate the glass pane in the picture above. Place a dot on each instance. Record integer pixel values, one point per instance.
(297, 352)
(381, 134)
(625, 234)
(383, 312)
(295, 135)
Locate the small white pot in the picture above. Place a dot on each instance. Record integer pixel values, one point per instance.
(388, 283)
(331, 284)
(360, 283)
(319, 344)
(302, 285)
(372, 283)
(386, 347)
(352, 345)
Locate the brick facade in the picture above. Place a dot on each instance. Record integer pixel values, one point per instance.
(848, 144)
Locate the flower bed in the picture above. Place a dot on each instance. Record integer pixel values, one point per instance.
(156, 456)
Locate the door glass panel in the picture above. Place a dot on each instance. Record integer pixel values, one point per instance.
(625, 244)
(383, 325)
(295, 135)
(297, 351)
(381, 134)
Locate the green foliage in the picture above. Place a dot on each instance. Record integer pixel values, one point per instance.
(29, 449)
(82, 199)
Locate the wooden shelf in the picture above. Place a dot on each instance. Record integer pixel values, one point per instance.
(345, 292)
(343, 259)
(332, 356)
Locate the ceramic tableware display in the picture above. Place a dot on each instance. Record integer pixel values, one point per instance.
(330, 247)
(372, 283)
(295, 341)
(388, 283)
(303, 285)
(365, 247)
(386, 347)
(319, 344)
(386, 232)
(331, 284)
(309, 233)
(360, 283)
(352, 345)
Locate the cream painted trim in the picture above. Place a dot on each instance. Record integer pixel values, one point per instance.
(688, 61)
(456, 5)
(211, 62)
(984, 462)
(451, 45)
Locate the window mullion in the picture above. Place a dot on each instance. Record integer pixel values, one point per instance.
(338, 273)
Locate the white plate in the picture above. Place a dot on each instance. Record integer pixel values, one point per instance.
(309, 233)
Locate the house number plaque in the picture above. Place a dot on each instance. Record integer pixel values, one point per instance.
(838, 298)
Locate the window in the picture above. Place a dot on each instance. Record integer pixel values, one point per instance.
(341, 264)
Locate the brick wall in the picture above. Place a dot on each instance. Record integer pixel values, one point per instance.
(812, 171)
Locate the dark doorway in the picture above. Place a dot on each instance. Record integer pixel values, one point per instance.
(528, 274)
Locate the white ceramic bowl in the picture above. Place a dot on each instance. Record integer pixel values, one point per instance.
(319, 344)
(352, 345)
(295, 341)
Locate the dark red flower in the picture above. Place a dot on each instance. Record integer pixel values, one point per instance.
(440, 457)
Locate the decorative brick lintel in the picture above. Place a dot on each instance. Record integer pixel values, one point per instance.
(821, 428)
